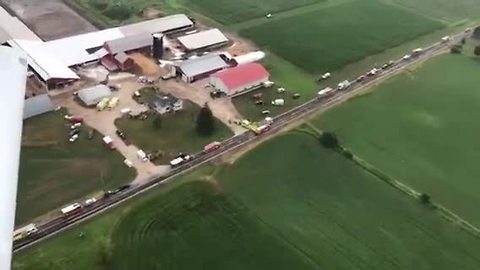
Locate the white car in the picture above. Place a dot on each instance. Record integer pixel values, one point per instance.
(73, 138)
(326, 76)
(281, 90)
(90, 201)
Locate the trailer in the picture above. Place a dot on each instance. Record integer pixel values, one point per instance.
(326, 92)
(71, 209)
(24, 232)
(278, 102)
(211, 147)
(176, 162)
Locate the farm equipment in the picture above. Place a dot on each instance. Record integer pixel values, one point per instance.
(102, 104)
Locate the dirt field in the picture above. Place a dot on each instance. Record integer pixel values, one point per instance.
(50, 19)
(146, 65)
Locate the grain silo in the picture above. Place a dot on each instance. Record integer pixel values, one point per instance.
(158, 46)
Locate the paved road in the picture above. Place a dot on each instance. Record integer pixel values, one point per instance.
(318, 103)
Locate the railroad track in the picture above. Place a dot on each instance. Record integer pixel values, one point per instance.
(59, 224)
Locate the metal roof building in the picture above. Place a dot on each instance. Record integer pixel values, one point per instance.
(91, 96)
(203, 66)
(129, 43)
(239, 78)
(203, 39)
(37, 105)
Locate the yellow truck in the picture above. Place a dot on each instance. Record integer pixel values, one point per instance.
(102, 104)
(113, 103)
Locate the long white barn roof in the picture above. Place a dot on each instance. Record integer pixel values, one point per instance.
(51, 59)
(203, 39)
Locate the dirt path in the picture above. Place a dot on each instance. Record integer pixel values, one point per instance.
(103, 122)
(50, 19)
(222, 108)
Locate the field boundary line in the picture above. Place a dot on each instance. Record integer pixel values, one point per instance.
(399, 185)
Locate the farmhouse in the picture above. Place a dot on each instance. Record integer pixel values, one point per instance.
(202, 40)
(239, 78)
(93, 95)
(166, 103)
(201, 67)
(37, 105)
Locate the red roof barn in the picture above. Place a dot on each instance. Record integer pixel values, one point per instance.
(239, 78)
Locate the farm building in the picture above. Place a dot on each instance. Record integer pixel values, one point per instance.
(51, 60)
(140, 42)
(202, 40)
(166, 103)
(37, 105)
(239, 78)
(201, 67)
(93, 95)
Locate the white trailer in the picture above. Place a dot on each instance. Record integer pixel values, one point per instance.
(177, 161)
(278, 102)
(343, 85)
(326, 91)
(71, 209)
(24, 232)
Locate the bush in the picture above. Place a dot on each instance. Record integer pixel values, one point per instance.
(456, 49)
(119, 12)
(425, 198)
(476, 51)
(99, 4)
(205, 122)
(346, 153)
(329, 140)
(476, 32)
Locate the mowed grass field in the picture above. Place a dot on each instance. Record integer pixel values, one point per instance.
(176, 134)
(330, 38)
(310, 209)
(54, 172)
(421, 127)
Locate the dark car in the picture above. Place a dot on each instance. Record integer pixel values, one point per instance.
(120, 134)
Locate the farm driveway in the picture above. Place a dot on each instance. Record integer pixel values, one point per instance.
(222, 108)
(103, 122)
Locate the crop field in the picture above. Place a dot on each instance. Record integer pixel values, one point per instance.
(310, 209)
(327, 39)
(228, 12)
(421, 128)
(444, 9)
(175, 134)
(54, 172)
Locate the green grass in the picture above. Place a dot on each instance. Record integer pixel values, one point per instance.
(176, 134)
(330, 38)
(310, 209)
(229, 12)
(285, 75)
(54, 172)
(444, 9)
(420, 127)
(191, 226)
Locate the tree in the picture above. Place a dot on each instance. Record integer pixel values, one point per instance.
(346, 153)
(425, 198)
(157, 122)
(205, 121)
(329, 140)
(456, 49)
(476, 51)
(476, 32)
(463, 41)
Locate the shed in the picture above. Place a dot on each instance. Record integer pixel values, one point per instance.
(91, 96)
(194, 69)
(37, 105)
(239, 78)
(124, 61)
(203, 39)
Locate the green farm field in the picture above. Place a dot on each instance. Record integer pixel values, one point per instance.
(54, 172)
(310, 209)
(420, 127)
(176, 134)
(448, 10)
(330, 38)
